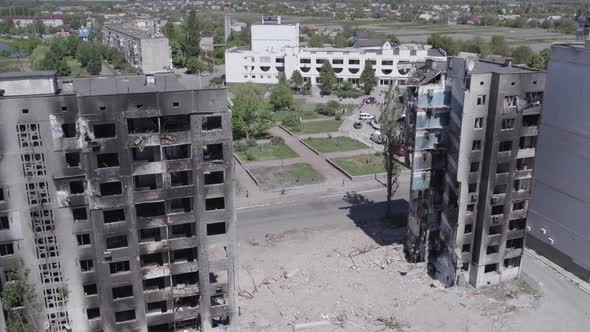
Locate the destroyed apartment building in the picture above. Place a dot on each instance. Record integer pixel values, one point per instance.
(117, 199)
(470, 132)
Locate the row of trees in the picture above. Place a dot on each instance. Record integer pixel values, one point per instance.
(53, 55)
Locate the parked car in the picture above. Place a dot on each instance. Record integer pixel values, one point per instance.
(376, 137)
(366, 116)
(370, 100)
(205, 73)
(357, 125)
(375, 124)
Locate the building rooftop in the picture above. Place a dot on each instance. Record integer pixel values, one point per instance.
(131, 32)
(26, 74)
(487, 66)
(111, 85)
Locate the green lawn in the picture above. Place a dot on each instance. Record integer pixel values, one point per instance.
(13, 64)
(361, 165)
(267, 151)
(323, 126)
(334, 144)
(286, 176)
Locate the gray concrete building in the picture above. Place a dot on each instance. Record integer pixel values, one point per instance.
(116, 196)
(559, 214)
(472, 138)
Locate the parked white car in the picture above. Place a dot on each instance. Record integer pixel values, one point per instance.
(376, 137)
(366, 117)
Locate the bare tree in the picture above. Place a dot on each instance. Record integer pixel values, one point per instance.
(390, 137)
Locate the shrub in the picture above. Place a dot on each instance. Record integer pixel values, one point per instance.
(249, 155)
(240, 146)
(277, 140)
(349, 93)
(324, 110)
(292, 121)
(338, 117)
(251, 143)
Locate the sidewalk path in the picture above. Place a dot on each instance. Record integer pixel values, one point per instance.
(275, 162)
(321, 135)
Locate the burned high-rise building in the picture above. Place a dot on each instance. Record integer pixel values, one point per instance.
(472, 133)
(116, 203)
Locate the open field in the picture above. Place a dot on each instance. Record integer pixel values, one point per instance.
(14, 64)
(361, 165)
(286, 176)
(323, 126)
(267, 151)
(334, 144)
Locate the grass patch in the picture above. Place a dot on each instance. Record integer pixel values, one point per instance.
(361, 165)
(286, 176)
(76, 68)
(323, 126)
(334, 144)
(268, 151)
(14, 64)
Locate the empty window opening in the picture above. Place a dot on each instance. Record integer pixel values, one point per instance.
(465, 266)
(535, 98)
(522, 184)
(510, 101)
(184, 255)
(497, 209)
(160, 328)
(472, 187)
(213, 177)
(143, 125)
(25, 110)
(146, 154)
(218, 277)
(496, 229)
(500, 189)
(519, 205)
(105, 130)
(124, 316)
(150, 234)
(119, 267)
(182, 178)
(117, 241)
(76, 187)
(86, 265)
(188, 301)
(104, 160)
(528, 142)
(507, 124)
(73, 159)
(466, 248)
(102, 107)
(139, 106)
(111, 188)
(492, 249)
(79, 214)
(188, 324)
(212, 152)
(175, 104)
(69, 129)
(174, 123)
(505, 146)
(181, 205)
(515, 243)
(174, 152)
(147, 182)
(183, 230)
(152, 209)
(90, 289)
(478, 123)
(215, 203)
(211, 123)
(6, 249)
(122, 292)
(153, 307)
(155, 259)
(219, 321)
(1, 194)
(83, 239)
(503, 168)
(476, 146)
(116, 215)
(490, 268)
(474, 166)
(4, 223)
(470, 207)
(517, 224)
(155, 283)
(93, 313)
(219, 300)
(523, 164)
(512, 262)
(481, 100)
(468, 229)
(191, 278)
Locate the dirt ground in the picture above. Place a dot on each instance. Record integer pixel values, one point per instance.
(353, 279)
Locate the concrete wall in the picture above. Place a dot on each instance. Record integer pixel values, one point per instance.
(155, 56)
(274, 37)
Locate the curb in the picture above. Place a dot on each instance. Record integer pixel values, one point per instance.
(247, 170)
(311, 148)
(286, 130)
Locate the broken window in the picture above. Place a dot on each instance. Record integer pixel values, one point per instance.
(159, 306)
(105, 130)
(174, 123)
(183, 230)
(523, 164)
(119, 267)
(476, 146)
(174, 152)
(512, 262)
(69, 129)
(143, 125)
(214, 203)
(148, 182)
(493, 249)
(470, 207)
(117, 241)
(6, 249)
(517, 224)
(188, 301)
(79, 214)
(474, 167)
(146, 154)
(535, 98)
(93, 313)
(184, 255)
(522, 184)
(154, 283)
(503, 168)
(122, 292)
(531, 120)
(111, 188)
(76, 187)
(152, 209)
(518, 205)
(213, 152)
(466, 248)
(116, 215)
(472, 187)
(181, 178)
(496, 229)
(211, 123)
(188, 324)
(4, 224)
(191, 278)
(528, 142)
(481, 99)
(497, 209)
(490, 268)
(181, 205)
(83, 239)
(222, 320)
(505, 146)
(219, 300)
(213, 177)
(510, 101)
(104, 160)
(90, 289)
(515, 243)
(72, 159)
(468, 229)
(86, 265)
(150, 234)
(154, 259)
(478, 123)
(125, 315)
(1, 194)
(507, 124)
(500, 189)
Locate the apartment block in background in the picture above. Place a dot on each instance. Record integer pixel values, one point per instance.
(560, 208)
(116, 195)
(476, 233)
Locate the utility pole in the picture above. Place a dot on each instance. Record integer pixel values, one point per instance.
(227, 23)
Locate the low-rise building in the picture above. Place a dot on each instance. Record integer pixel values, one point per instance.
(23, 20)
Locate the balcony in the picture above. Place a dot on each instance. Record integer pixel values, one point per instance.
(529, 131)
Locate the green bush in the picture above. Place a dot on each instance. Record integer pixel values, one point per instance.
(338, 117)
(251, 143)
(249, 155)
(292, 121)
(240, 146)
(349, 93)
(328, 109)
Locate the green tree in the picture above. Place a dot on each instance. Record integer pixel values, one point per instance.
(19, 293)
(536, 62)
(94, 65)
(168, 30)
(251, 116)
(327, 78)
(283, 79)
(546, 54)
(368, 78)
(194, 65)
(443, 42)
(316, 40)
(178, 57)
(296, 81)
(499, 46)
(281, 98)
(390, 138)
(476, 45)
(192, 35)
(57, 57)
(522, 54)
(73, 42)
(40, 58)
(340, 40)
(306, 90)
(84, 53)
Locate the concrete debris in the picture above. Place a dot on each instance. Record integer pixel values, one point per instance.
(312, 325)
(290, 274)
